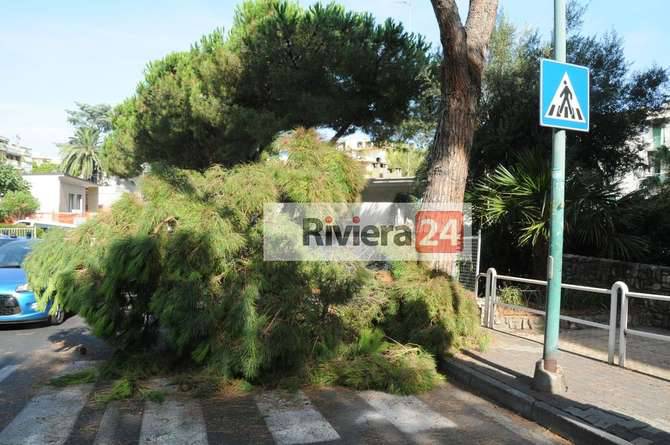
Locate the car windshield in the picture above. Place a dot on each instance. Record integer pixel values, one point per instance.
(12, 254)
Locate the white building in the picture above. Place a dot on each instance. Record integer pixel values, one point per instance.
(16, 154)
(374, 158)
(112, 188)
(42, 159)
(657, 135)
(385, 182)
(63, 198)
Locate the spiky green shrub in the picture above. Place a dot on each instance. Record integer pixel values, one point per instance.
(375, 363)
(17, 204)
(431, 310)
(182, 267)
(184, 263)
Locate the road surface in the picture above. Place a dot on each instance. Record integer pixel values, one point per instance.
(34, 413)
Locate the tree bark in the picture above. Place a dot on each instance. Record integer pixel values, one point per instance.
(340, 132)
(464, 59)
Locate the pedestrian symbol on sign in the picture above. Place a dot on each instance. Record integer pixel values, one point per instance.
(565, 105)
(564, 95)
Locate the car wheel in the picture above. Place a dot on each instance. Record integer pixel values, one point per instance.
(58, 317)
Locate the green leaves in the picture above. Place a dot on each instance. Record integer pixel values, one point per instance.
(11, 180)
(80, 156)
(622, 101)
(596, 221)
(18, 204)
(91, 116)
(280, 67)
(16, 201)
(188, 257)
(517, 197)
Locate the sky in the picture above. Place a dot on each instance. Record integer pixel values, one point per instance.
(53, 53)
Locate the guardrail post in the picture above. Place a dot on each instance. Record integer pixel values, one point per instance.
(487, 298)
(623, 325)
(611, 340)
(491, 278)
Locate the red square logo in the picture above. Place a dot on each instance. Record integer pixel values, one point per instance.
(439, 231)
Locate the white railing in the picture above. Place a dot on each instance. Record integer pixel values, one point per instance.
(491, 301)
(623, 328)
(19, 232)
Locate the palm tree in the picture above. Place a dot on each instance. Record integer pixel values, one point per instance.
(598, 221)
(81, 155)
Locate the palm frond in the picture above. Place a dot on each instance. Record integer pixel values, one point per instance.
(81, 155)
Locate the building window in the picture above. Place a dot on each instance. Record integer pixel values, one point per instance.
(655, 166)
(73, 202)
(657, 134)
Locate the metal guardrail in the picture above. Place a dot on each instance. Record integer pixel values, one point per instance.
(19, 232)
(618, 288)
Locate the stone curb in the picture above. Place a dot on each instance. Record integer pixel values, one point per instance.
(529, 407)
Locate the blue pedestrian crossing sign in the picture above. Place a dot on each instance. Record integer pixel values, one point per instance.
(564, 95)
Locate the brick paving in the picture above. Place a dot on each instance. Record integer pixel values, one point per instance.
(643, 354)
(628, 404)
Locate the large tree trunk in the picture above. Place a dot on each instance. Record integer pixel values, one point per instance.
(464, 50)
(450, 152)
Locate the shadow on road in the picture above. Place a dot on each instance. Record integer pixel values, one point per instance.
(614, 422)
(23, 326)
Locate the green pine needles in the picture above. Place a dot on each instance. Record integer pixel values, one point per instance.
(181, 267)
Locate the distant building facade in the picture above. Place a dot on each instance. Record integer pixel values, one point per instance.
(374, 158)
(42, 159)
(655, 138)
(385, 182)
(62, 198)
(112, 188)
(16, 154)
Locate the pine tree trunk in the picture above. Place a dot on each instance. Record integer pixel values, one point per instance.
(464, 50)
(450, 153)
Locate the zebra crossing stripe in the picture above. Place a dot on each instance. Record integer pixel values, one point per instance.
(108, 425)
(48, 418)
(407, 413)
(291, 418)
(6, 371)
(173, 422)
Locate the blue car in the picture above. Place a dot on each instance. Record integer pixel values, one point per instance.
(17, 301)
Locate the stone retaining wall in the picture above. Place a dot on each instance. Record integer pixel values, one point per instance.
(649, 278)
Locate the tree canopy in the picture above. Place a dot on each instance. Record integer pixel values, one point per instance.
(510, 184)
(93, 116)
(81, 155)
(11, 180)
(16, 201)
(18, 204)
(325, 66)
(280, 66)
(622, 100)
(186, 258)
(46, 167)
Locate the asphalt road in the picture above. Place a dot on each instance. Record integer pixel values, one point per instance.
(20, 342)
(31, 412)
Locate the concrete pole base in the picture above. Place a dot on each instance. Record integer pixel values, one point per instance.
(549, 382)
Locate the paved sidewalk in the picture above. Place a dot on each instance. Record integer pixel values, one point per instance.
(646, 355)
(627, 404)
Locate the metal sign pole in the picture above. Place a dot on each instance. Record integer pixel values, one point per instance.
(548, 376)
(555, 265)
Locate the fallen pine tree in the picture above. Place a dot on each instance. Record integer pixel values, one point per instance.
(183, 263)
